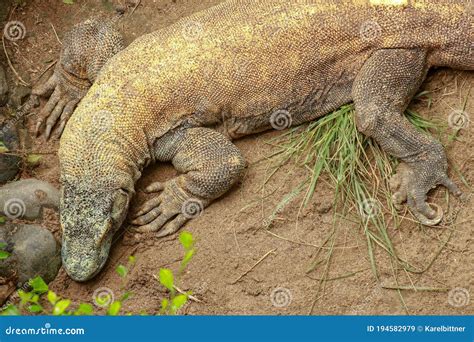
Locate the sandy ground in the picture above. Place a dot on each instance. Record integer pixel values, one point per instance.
(230, 234)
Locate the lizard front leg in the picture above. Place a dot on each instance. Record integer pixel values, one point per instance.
(210, 164)
(86, 48)
(382, 91)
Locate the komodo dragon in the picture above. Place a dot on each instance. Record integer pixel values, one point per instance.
(182, 93)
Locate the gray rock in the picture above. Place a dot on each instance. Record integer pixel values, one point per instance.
(9, 163)
(26, 199)
(33, 252)
(3, 87)
(19, 95)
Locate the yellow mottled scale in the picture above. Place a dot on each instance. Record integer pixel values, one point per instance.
(227, 59)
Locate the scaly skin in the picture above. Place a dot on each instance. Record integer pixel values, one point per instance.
(239, 68)
(86, 48)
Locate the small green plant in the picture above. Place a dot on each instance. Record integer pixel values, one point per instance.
(122, 270)
(3, 253)
(175, 301)
(32, 301)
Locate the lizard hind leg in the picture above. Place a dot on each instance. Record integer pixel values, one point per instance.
(209, 165)
(382, 91)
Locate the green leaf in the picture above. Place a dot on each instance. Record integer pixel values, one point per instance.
(84, 309)
(34, 298)
(52, 297)
(25, 297)
(68, 2)
(131, 259)
(125, 296)
(164, 305)
(114, 308)
(166, 278)
(187, 240)
(121, 270)
(33, 159)
(4, 255)
(187, 258)
(38, 285)
(35, 308)
(179, 301)
(10, 310)
(2, 221)
(3, 244)
(3, 148)
(61, 306)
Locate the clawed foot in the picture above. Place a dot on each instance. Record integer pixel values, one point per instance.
(169, 211)
(411, 185)
(66, 91)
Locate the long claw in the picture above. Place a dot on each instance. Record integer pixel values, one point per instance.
(156, 224)
(173, 226)
(47, 131)
(60, 129)
(155, 187)
(149, 205)
(148, 217)
(430, 222)
(39, 123)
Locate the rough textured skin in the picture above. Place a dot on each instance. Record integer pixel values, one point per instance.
(239, 68)
(86, 48)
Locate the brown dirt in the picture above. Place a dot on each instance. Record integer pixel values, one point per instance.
(229, 233)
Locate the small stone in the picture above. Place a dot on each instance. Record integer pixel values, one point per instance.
(19, 95)
(120, 9)
(3, 87)
(323, 207)
(33, 252)
(9, 162)
(26, 199)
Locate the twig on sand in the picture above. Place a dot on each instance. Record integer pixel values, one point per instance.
(55, 33)
(187, 294)
(194, 299)
(415, 288)
(11, 65)
(255, 265)
(134, 8)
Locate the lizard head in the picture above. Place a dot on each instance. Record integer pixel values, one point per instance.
(89, 220)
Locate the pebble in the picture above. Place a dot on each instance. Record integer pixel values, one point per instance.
(26, 199)
(33, 252)
(19, 95)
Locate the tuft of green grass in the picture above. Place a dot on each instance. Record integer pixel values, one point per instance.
(359, 173)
